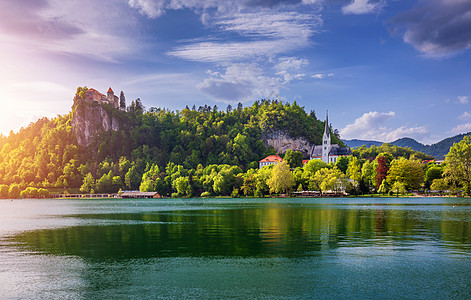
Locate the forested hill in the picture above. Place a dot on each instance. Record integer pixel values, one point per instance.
(48, 153)
(437, 150)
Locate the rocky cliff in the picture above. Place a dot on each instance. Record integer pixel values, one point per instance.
(282, 141)
(91, 118)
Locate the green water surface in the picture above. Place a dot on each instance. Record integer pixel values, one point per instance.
(364, 248)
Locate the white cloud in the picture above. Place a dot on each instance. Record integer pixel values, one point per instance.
(463, 100)
(266, 35)
(358, 7)
(462, 128)
(372, 126)
(290, 63)
(465, 116)
(150, 8)
(240, 82)
(321, 75)
(87, 28)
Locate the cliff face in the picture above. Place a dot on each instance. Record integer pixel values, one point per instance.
(89, 119)
(281, 141)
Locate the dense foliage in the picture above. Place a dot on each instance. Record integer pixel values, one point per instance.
(198, 152)
(396, 151)
(46, 153)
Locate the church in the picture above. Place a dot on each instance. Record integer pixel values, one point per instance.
(327, 152)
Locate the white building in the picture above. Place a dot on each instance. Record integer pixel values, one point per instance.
(270, 160)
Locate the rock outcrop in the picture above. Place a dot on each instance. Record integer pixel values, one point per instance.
(282, 141)
(89, 119)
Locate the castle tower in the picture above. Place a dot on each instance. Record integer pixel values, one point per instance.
(112, 99)
(326, 145)
(110, 96)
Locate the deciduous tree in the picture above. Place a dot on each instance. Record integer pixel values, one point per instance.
(458, 164)
(282, 179)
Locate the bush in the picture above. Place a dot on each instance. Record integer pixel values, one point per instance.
(235, 193)
(206, 194)
(258, 193)
(43, 193)
(3, 191)
(14, 191)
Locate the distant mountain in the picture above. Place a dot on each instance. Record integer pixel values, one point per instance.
(358, 143)
(437, 150)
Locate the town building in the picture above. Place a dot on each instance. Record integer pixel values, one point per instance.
(110, 98)
(327, 152)
(270, 160)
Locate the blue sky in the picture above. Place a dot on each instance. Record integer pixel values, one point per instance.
(384, 69)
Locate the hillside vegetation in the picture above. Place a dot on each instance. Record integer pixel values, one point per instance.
(46, 153)
(437, 150)
(201, 151)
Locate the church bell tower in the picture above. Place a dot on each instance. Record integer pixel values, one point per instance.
(326, 146)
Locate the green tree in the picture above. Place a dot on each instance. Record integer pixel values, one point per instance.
(384, 187)
(182, 186)
(88, 183)
(105, 183)
(330, 179)
(122, 100)
(261, 181)
(368, 174)
(409, 172)
(293, 158)
(132, 179)
(225, 180)
(439, 184)
(151, 181)
(458, 164)
(43, 193)
(433, 173)
(399, 188)
(342, 163)
(354, 170)
(282, 179)
(14, 191)
(3, 191)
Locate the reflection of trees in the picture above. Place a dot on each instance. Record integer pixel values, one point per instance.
(272, 230)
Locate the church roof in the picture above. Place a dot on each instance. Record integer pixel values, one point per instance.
(334, 150)
(340, 151)
(110, 90)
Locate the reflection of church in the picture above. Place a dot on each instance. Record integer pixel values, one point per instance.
(328, 152)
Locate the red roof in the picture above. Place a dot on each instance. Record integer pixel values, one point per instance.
(110, 90)
(272, 158)
(94, 91)
(305, 161)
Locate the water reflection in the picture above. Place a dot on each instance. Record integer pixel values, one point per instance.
(268, 230)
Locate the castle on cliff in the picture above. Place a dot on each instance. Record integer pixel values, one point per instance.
(110, 98)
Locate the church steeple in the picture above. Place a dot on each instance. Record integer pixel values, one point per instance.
(326, 146)
(326, 129)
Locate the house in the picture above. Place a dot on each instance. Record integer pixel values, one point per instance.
(93, 95)
(270, 160)
(140, 195)
(327, 152)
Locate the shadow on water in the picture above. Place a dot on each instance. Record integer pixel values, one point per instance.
(275, 230)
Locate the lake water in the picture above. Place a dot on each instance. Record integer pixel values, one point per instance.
(236, 248)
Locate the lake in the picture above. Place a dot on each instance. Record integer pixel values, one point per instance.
(362, 248)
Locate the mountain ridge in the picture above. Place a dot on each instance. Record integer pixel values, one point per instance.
(437, 150)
